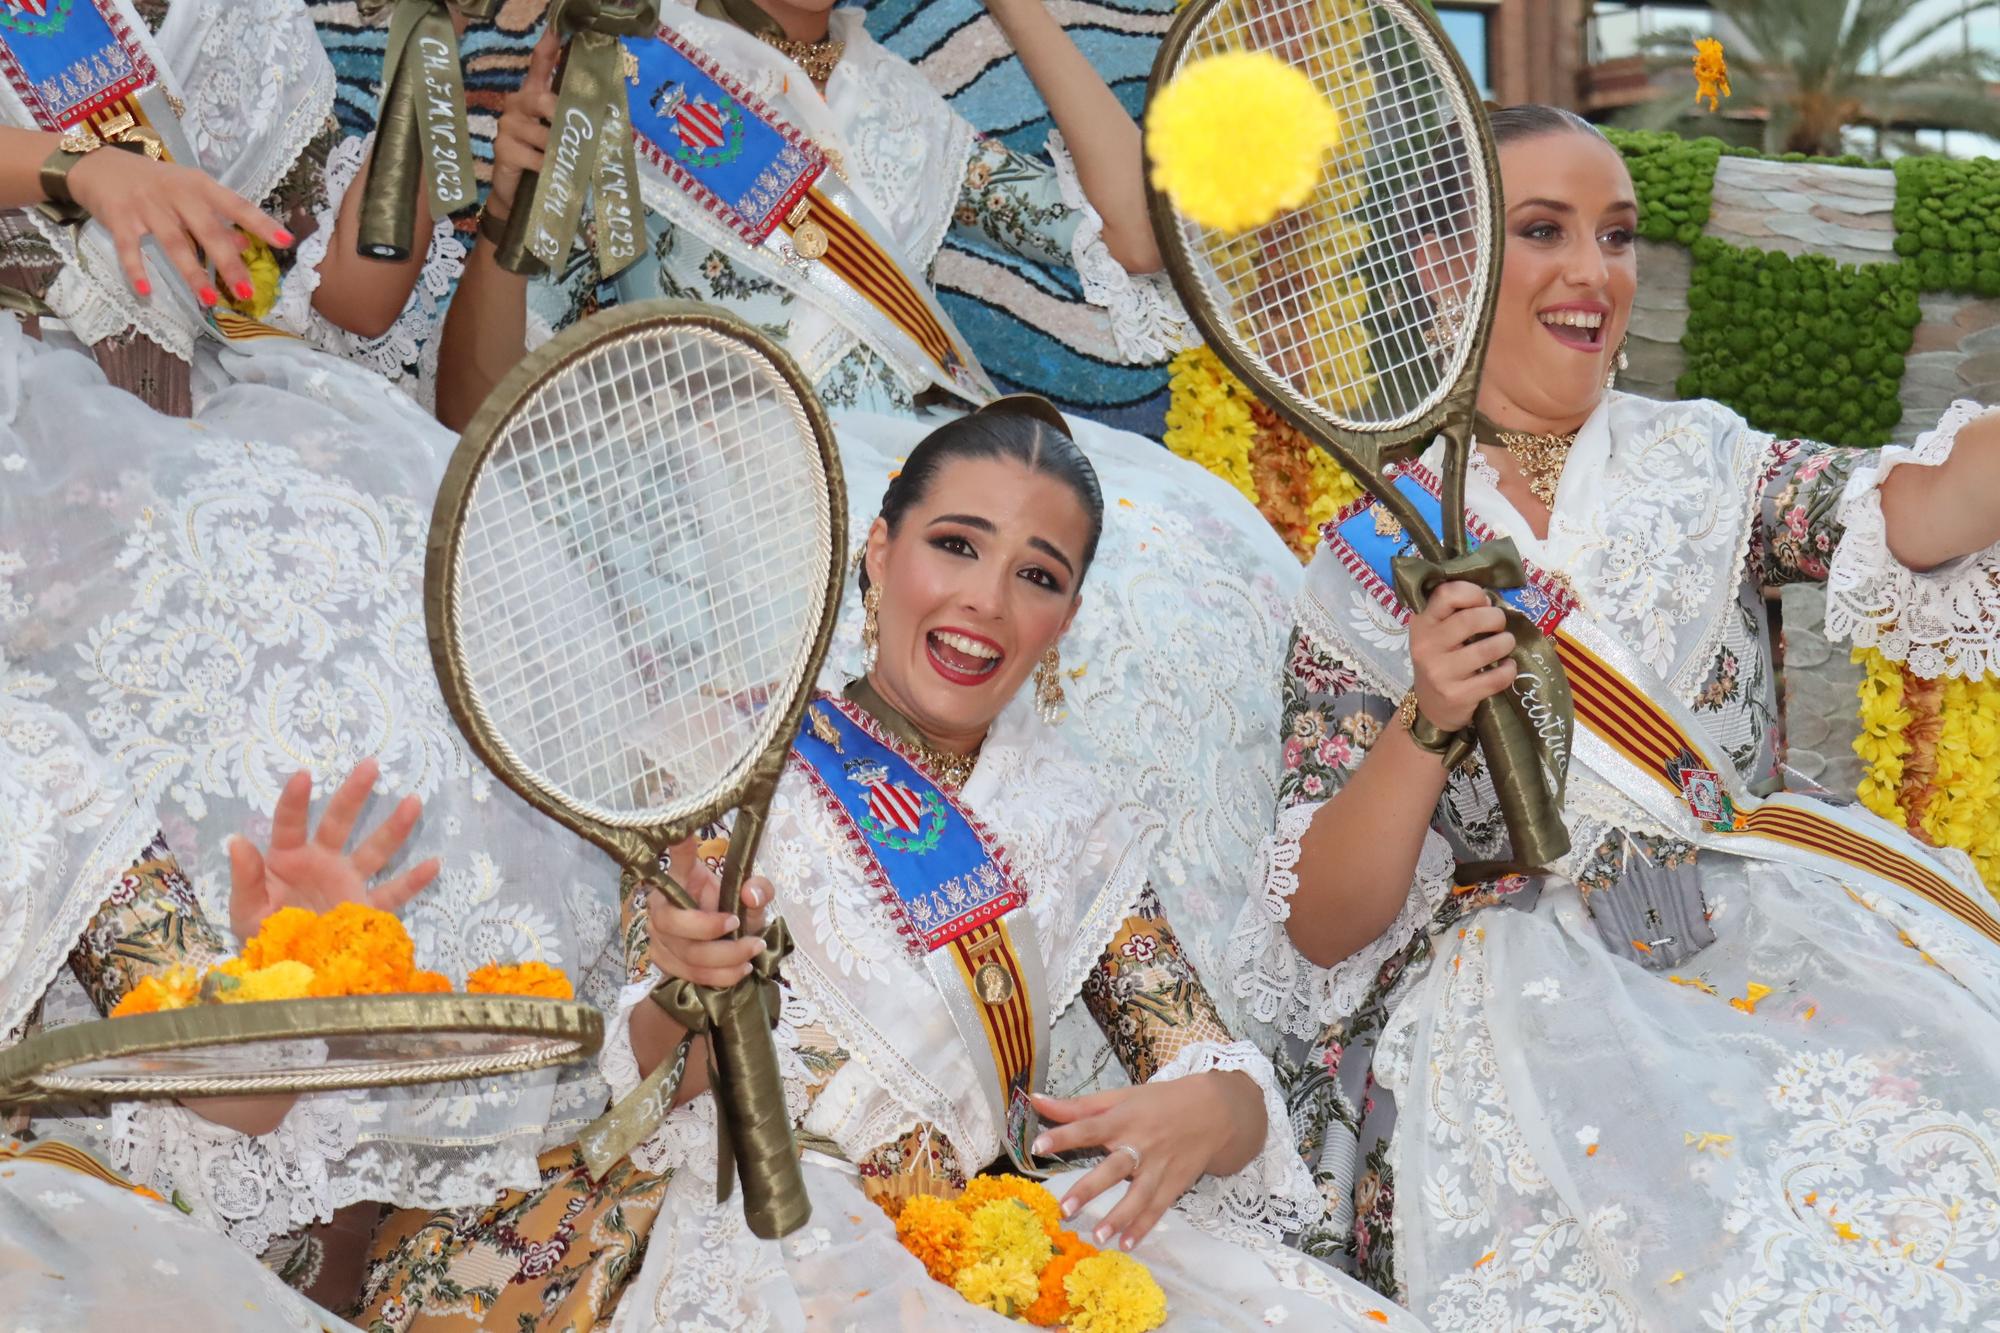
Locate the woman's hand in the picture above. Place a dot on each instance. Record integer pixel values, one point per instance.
(523, 136)
(1459, 646)
(317, 872)
(1158, 1137)
(188, 212)
(699, 945)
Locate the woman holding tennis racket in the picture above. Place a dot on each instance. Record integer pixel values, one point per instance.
(953, 880)
(1731, 1061)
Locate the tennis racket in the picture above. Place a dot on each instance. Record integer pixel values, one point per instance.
(1361, 316)
(633, 574)
(361, 1041)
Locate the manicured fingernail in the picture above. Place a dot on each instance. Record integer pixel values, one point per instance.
(284, 238)
(143, 287)
(1040, 1145)
(1069, 1208)
(1125, 1244)
(734, 922)
(1100, 1234)
(244, 291)
(208, 295)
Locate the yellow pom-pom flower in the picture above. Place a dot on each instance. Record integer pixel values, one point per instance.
(1112, 1292)
(265, 279)
(1002, 1286)
(235, 982)
(1008, 1231)
(1238, 138)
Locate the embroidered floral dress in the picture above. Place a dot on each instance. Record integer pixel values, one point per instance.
(885, 1099)
(1663, 1086)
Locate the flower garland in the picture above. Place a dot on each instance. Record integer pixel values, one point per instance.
(1001, 1244)
(1932, 750)
(352, 950)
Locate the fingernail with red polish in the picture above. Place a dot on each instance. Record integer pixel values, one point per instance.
(143, 287)
(208, 296)
(284, 238)
(244, 291)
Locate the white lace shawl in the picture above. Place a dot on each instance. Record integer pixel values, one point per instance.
(1941, 622)
(1083, 869)
(257, 87)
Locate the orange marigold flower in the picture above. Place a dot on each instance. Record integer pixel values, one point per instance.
(537, 979)
(1711, 72)
(934, 1230)
(176, 988)
(983, 1190)
(355, 930)
(429, 983)
(278, 939)
(1051, 1307)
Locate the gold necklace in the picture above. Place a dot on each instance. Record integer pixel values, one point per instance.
(947, 769)
(950, 770)
(1540, 458)
(817, 59)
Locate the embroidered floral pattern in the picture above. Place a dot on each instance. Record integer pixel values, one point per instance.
(1146, 996)
(150, 921)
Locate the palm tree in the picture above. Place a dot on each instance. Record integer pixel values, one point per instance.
(1819, 66)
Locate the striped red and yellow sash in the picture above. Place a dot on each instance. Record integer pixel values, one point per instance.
(1621, 715)
(51, 1152)
(863, 265)
(990, 970)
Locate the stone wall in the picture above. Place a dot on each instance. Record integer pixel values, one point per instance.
(1846, 213)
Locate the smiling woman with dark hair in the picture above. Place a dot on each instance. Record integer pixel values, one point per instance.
(1732, 1060)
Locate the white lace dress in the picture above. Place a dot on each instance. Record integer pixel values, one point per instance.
(1664, 1086)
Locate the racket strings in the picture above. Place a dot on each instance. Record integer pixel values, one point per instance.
(1335, 299)
(642, 569)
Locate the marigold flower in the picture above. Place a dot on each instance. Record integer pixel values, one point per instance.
(278, 939)
(1238, 138)
(1008, 1230)
(429, 983)
(176, 988)
(934, 1230)
(235, 982)
(1002, 1286)
(986, 1189)
(1711, 73)
(265, 279)
(1113, 1293)
(1051, 1307)
(537, 979)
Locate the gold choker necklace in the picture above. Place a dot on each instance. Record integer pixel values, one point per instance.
(817, 59)
(1540, 458)
(947, 769)
(950, 770)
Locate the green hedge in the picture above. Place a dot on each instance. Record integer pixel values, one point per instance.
(1675, 179)
(1948, 223)
(1800, 346)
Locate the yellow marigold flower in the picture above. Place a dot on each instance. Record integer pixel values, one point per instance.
(1238, 138)
(1008, 1231)
(175, 988)
(1002, 1286)
(265, 279)
(1113, 1293)
(537, 979)
(934, 1230)
(1711, 73)
(235, 983)
(278, 939)
(985, 1189)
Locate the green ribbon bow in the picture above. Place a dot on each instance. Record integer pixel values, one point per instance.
(1526, 731)
(422, 120)
(753, 1123)
(590, 145)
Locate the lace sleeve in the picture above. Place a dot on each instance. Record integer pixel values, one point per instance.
(1146, 316)
(1942, 622)
(404, 355)
(1277, 984)
(1274, 1195)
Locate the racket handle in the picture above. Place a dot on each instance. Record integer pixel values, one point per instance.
(760, 1123)
(1535, 831)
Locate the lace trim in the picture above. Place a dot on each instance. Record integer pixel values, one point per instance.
(1146, 317)
(1942, 622)
(400, 354)
(1278, 985)
(253, 1189)
(1274, 1195)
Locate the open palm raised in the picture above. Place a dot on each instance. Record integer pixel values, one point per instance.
(312, 868)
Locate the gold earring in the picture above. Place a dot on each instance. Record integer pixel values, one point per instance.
(871, 626)
(1447, 321)
(1618, 363)
(1048, 686)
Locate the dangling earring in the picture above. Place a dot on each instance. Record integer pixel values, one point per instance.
(1447, 321)
(1618, 363)
(1048, 686)
(871, 626)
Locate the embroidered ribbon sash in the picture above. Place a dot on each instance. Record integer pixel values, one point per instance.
(1635, 735)
(951, 893)
(80, 63)
(771, 187)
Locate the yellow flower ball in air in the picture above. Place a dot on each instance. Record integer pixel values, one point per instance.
(1238, 138)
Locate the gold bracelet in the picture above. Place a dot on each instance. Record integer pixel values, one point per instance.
(1424, 733)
